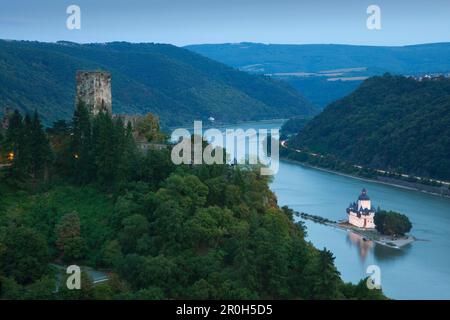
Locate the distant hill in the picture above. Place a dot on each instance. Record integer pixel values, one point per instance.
(326, 72)
(389, 122)
(178, 85)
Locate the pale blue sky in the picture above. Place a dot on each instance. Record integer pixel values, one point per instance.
(182, 22)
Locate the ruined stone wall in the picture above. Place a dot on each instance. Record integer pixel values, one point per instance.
(126, 118)
(94, 90)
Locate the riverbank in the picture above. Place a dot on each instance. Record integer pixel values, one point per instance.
(391, 182)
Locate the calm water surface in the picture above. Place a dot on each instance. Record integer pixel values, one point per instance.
(419, 271)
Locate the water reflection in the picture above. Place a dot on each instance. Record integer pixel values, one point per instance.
(381, 253)
(362, 245)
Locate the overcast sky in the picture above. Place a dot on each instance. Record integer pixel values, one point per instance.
(182, 22)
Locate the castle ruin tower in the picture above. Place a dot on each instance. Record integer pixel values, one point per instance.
(94, 90)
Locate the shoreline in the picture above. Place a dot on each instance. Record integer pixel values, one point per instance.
(363, 179)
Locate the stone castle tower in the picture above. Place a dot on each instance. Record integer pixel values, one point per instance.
(94, 90)
(361, 214)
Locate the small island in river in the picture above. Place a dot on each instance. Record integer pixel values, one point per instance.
(386, 228)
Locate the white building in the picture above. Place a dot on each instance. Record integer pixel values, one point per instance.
(361, 213)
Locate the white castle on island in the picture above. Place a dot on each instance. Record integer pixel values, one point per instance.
(361, 213)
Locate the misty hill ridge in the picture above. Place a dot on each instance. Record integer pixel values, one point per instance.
(178, 85)
(273, 58)
(324, 73)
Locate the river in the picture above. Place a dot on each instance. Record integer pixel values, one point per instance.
(420, 270)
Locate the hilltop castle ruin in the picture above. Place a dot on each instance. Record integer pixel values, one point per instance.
(94, 91)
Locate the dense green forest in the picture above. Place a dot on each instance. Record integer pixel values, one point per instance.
(177, 84)
(392, 223)
(83, 194)
(308, 68)
(390, 122)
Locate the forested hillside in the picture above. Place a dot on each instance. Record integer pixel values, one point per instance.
(389, 122)
(86, 196)
(174, 83)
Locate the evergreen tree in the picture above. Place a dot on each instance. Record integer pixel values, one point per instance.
(120, 139)
(40, 149)
(326, 277)
(114, 150)
(81, 146)
(13, 133)
(105, 143)
(11, 141)
(22, 165)
(61, 138)
(131, 156)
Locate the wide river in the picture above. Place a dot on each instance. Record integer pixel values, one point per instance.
(420, 270)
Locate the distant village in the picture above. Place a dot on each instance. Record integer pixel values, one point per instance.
(429, 76)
